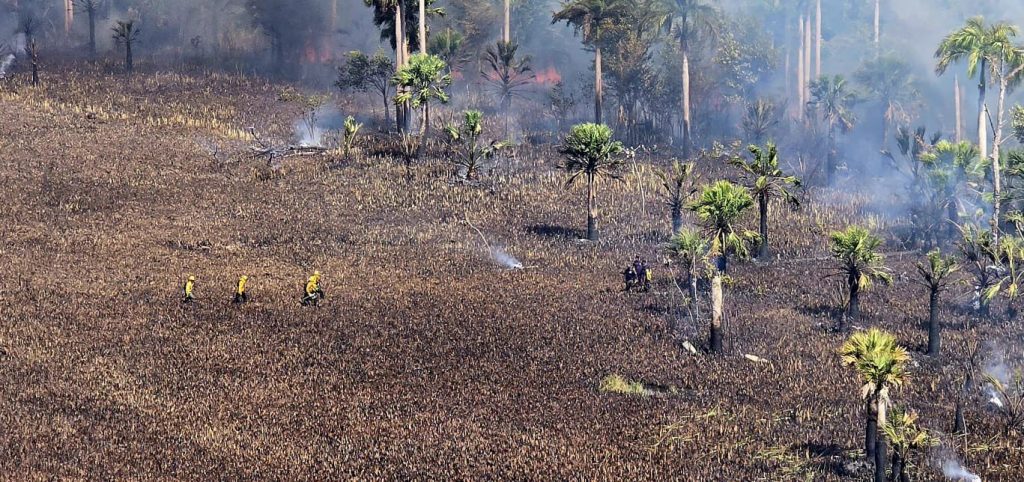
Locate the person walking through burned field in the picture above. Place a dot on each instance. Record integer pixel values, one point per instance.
(314, 293)
(629, 278)
(241, 296)
(190, 285)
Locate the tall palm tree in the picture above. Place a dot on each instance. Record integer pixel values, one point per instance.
(423, 80)
(678, 182)
(91, 8)
(889, 80)
(591, 154)
(834, 100)
(685, 17)
(767, 182)
(936, 275)
(383, 9)
(507, 74)
(718, 208)
(592, 18)
(759, 118)
(856, 250)
(126, 33)
(881, 363)
(988, 49)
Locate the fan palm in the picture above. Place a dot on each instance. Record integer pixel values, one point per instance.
(592, 18)
(834, 100)
(881, 363)
(508, 74)
(126, 33)
(907, 439)
(685, 16)
(889, 80)
(591, 154)
(936, 275)
(690, 248)
(421, 81)
(719, 207)
(767, 184)
(856, 250)
(678, 183)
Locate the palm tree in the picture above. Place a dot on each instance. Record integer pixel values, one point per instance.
(382, 11)
(719, 206)
(684, 16)
(678, 183)
(768, 183)
(423, 80)
(987, 49)
(91, 8)
(856, 249)
(591, 18)
(508, 74)
(979, 253)
(591, 154)
(759, 118)
(1010, 254)
(126, 33)
(690, 248)
(889, 80)
(463, 141)
(834, 101)
(907, 439)
(449, 46)
(936, 275)
(881, 364)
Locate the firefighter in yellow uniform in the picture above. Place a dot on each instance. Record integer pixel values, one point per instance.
(240, 295)
(189, 286)
(314, 293)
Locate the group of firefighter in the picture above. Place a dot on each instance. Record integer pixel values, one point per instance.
(638, 276)
(311, 295)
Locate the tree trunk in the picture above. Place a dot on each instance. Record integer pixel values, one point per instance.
(677, 219)
(762, 201)
(716, 313)
(506, 32)
(956, 102)
(423, 26)
(933, 323)
(830, 167)
(807, 59)
(897, 464)
(871, 432)
(880, 451)
(878, 27)
(598, 86)
(400, 111)
(592, 233)
(128, 63)
(92, 31)
(853, 313)
(959, 423)
(69, 16)
(687, 124)
(800, 80)
(34, 55)
(817, 41)
(996, 171)
(424, 130)
(387, 110)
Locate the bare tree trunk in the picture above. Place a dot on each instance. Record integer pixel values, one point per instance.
(959, 113)
(506, 32)
(880, 451)
(128, 61)
(996, 174)
(598, 85)
(34, 55)
(423, 26)
(871, 432)
(800, 73)
(69, 16)
(817, 41)
(592, 233)
(807, 59)
(687, 127)
(878, 26)
(92, 30)
(400, 111)
(933, 323)
(334, 15)
(762, 251)
(716, 312)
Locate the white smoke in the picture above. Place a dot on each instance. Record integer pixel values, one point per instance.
(308, 135)
(9, 52)
(954, 470)
(507, 260)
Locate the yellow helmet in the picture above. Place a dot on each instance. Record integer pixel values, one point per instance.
(244, 277)
(191, 278)
(316, 273)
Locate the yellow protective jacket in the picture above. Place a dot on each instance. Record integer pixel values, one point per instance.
(241, 284)
(313, 285)
(189, 285)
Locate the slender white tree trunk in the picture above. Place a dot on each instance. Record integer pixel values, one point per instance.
(423, 26)
(996, 174)
(800, 73)
(817, 41)
(878, 26)
(807, 59)
(598, 86)
(959, 113)
(506, 32)
(687, 126)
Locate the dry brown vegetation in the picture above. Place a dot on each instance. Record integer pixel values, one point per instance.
(427, 360)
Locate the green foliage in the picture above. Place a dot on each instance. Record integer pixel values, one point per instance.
(1018, 123)
(384, 19)
(905, 436)
(937, 270)
(979, 44)
(1010, 254)
(879, 361)
(768, 181)
(591, 18)
(464, 144)
(590, 152)
(563, 102)
(449, 45)
(856, 249)
(1010, 395)
(506, 73)
(889, 80)
(361, 72)
(351, 128)
(719, 207)
(678, 183)
(690, 248)
(759, 118)
(834, 100)
(615, 383)
(423, 80)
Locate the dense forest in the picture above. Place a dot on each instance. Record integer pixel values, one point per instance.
(829, 191)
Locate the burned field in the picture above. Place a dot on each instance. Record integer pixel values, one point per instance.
(427, 359)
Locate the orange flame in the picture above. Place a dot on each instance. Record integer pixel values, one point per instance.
(547, 76)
